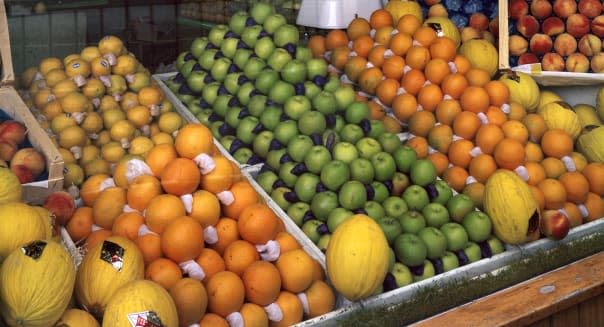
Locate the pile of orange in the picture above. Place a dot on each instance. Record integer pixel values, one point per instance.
(180, 217)
(456, 115)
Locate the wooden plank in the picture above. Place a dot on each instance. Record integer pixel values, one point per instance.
(591, 312)
(566, 318)
(6, 62)
(541, 323)
(532, 300)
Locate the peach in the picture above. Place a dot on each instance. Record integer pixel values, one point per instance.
(565, 44)
(8, 148)
(590, 8)
(527, 58)
(469, 33)
(62, 205)
(541, 8)
(518, 8)
(540, 44)
(488, 36)
(431, 2)
(494, 26)
(552, 61)
(479, 21)
(438, 10)
(597, 63)
(590, 44)
(577, 25)
(13, 130)
(3, 163)
(518, 45)
(23, 173)
(597, 26)
(527, 25)
(565, 8)
(577, 63)
(30, 158)
(553, 26)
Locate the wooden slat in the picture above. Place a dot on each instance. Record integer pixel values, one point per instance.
(566, 318)
(532, 300)
(7, 75)
(591, 312)
(541, 323)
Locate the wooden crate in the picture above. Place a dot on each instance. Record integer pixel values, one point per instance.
(545, 78)
(12, 104)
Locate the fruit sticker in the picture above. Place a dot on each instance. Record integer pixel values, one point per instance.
(34, 249)
(114, 254)
(145, 319)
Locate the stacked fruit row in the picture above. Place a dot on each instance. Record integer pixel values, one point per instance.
(17, 153)
(562, 35)
(99, 107)
(211, 251)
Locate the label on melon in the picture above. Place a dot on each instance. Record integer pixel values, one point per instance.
(34, 249)
(113, 254)
(145, 319)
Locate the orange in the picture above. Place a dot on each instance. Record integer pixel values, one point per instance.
(150, 95)
(413, 81)
(579, 160)
(358, 27)
(221, 178)
(386, 90)
(477, 77)
(161, 210)
(393, 67)
(488, 136)
(420, 145)
(164, 272)
(227, 234)
(481, 167)
(440, 138)
(401, 43)
(214, 320)
(408, 24)
(91, 188)
(369, 79)
(533, 152)
(447, 110)
(378, 111)
(380, 17)
(474, 99)
(553, 167)
(444, 48)
(239, 255)
(517, 111)
(421, 123)
(417, 57)
(317, 46)
(466, 124)
(425, 35)
(556, 143)
(150, 247)
(295, 268)
(573, 213)
(244, 195)
(436, 70)
(456, 177)
(383, 35)
(539, 197)
(476, 192)
(226, 293)
(462, 64)
(205, 208)
(594, 172)
(404, 106)
(509, 154)
(182, 240)
(576, 186)
(193, 139)
(459, 152)
(496, 115)
(429, 97)
(516, 130)
(440, 161)
(180, 176)
(286, 242)
(257, 224)
(339, 57)
(498, 92)
(321, 298)
(127, 225)
(335, 39)
(253, 315)
(262, 283)
(554, 193)
(595, 207)
(535, 172)
(453, 85)
(362, 45)
(211, 262)
(291, 307)
(142, 190)
(377, 55)
(354, 67)
(79, 226)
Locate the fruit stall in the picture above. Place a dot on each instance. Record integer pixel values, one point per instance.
(302, 163)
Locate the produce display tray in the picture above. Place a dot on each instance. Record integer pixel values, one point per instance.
(546, 78)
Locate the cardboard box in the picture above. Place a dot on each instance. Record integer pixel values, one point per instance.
(545, 78)
(12, 104)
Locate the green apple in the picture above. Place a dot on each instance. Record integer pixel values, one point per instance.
(233, 116)
(380, 191)
(314, 229)
(459, 205)
(260, 11)
(303, 53)
(404, 157)
(286, 175)
(281, 91)
(316, 67)
(400, 182)
(394, 207)
(389, 142)
(241, 57)
(337, 216)
(449, 261)
(198, 46)
(221, 105)
(297, 211)
(478, 225)
(402, 274)
(427, 270)
(435, 214)
(444, 192)
(356, 112)
(416, 197)
(273, 158)
(237, 21)
(286, 34)
(226, 141)
(312, 122)
(245, 93)
(294, 71)
(391, 258)
(187, 67)
(196, 81)
(253, 67)
(412, 221)
(472, 253)
(376, 129)
(210, 92)
(324, 102)
(273, 22)
(456, 235)
(333, 83)
(231, 82)
(298, 146)
(285, 131)
(351, 133)
(435, 241)
(361, 170)
(266, 80)
(278, 59)
(383, 166)
(264, 47)
(305, 186)
(278, 196)
(345, 152)
(352, 195)
(271, 118)
(422, 172)
(257, 104)
(184, 57)
(410, 249)
(246, 128)
(345, 95)
(367, 147)
(229, 47)
(216, 34)
(316, 158)
(323, 242)
(334, 174)
(391, 228)
(374, 210)
(243, 155)
(250, 35)
(295, 106)
(266, 180)
(495, 245)
(203, 116)
(323, 203)
(206, 59)
(311, 89)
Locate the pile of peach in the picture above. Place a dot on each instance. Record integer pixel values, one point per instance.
(25, 162)
(565, 35)
(197, 221)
